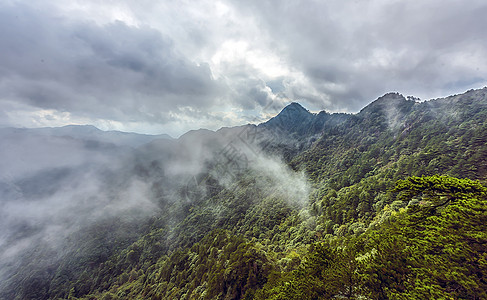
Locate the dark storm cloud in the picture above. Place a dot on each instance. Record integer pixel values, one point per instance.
(352, 52)
(112, 71)
(179, 65)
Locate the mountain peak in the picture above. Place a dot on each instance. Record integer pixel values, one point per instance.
(292, 116)
(389, 101)
(390, 97)
(294, 111)
(295, 106)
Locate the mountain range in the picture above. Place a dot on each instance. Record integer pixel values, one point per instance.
(387, 203)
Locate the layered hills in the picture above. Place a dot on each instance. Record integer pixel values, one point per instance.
(387, 203)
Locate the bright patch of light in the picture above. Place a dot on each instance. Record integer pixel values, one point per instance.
(240, 52)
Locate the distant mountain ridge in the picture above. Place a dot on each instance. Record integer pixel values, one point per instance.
(293, 120)
(252, 211)
(92, 133)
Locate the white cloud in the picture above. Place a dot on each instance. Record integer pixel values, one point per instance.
(141, 64)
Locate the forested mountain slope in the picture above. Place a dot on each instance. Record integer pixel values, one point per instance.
(304, 206)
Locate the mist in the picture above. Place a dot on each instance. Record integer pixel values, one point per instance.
(57, 186)
(53, 187)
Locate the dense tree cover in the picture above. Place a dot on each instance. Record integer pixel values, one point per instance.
(220, 265)
(434, 249)
(379, 222)
(357, 164)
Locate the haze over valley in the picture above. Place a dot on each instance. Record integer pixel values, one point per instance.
(243, 150)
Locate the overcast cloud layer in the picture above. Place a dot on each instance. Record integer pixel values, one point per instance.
(170, 66)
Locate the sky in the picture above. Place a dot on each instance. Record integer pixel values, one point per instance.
(171, 66)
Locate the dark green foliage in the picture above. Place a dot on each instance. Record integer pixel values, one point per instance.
(379, 223)
(436, 249)
(428, 251)
(326, 272)
(220, 266)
